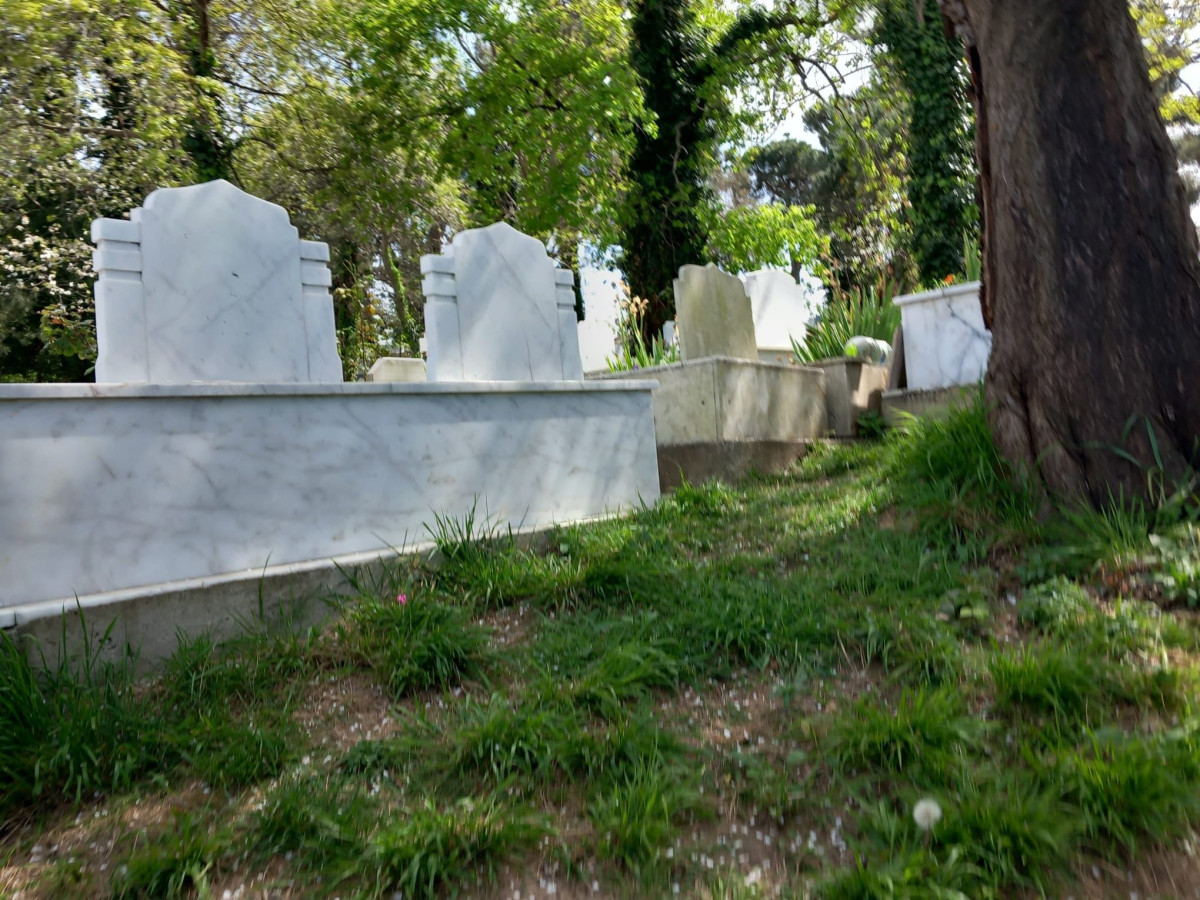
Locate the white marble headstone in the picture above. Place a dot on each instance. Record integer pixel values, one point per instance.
(713, 315)
(945, 341)
(781, 309)
(497, 308)
(598, 330)
(208, 283)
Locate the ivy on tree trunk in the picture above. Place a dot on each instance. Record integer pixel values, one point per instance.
(941, 182)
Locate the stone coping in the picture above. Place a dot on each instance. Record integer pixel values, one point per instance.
(52, 391)
(25, 613)
(627, 376)
(841, 361)
(967, 288)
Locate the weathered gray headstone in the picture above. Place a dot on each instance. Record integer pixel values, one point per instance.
(713, 314)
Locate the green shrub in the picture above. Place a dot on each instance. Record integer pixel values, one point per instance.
(949, 468)
(1132, 789)
(634, 816)
(69, 732)
(321, 821)
(861, 311)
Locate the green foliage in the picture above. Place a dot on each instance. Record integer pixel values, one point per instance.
(661, 222)
(1009, 832)
(954, 474)
(1130, 789)
(623, 673)
(321, 821)
(687, 70)
(431, 850)
(757, 236)
(972, 259)
(462, 540)
(1067, 688)
(1166, 28)
(779, 787)
(416, 644)
(639, 356)
(636, 352)
(65, 732)
(233, 755)
(1175, 568)
(940, 163)
(634, 816)
(998, 835)
(1062, 609)
(71, 731)
(865, 312)
(176, 864)
(927, 732)
(857, 183)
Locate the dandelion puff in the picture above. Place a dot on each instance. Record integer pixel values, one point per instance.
(926, 814)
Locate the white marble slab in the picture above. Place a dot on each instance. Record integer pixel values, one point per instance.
(598, 330)
(138, 485)
(397, 368)
(781, 309)
(713, 315)
(497, 308)
(945, 342)
(207, 283)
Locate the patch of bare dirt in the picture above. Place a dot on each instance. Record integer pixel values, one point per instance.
(339, 709)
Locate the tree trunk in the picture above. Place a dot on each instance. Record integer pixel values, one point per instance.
(1091, 271)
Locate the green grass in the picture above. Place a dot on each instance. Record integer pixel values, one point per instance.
(434, 848)
(176, 864)
(88, 727)
(926, 731)
(634, 816)
(416, 644)
(622, 703)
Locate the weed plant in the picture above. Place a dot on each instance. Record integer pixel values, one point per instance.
(927, 731)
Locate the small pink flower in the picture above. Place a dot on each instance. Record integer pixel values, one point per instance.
(402, 599)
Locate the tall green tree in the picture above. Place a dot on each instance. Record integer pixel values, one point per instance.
(687, 71)
(941, 176)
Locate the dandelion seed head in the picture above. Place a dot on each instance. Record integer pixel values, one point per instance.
(926, 813)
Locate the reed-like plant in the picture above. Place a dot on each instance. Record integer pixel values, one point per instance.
(861, 311)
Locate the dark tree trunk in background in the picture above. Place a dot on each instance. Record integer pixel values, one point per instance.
(1091, 269)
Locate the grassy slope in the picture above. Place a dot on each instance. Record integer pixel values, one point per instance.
(744, 691)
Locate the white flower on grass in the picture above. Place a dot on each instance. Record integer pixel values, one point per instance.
(926, 813)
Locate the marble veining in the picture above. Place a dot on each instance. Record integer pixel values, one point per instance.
(945, 341)
(498, 309)
(208, 283)
(107, 487)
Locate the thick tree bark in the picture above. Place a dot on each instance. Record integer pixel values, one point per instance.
(1091, 271)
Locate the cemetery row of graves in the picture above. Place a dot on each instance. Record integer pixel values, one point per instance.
(873, 668)
(220, 441)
